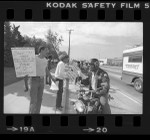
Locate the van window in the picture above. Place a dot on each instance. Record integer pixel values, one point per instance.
(135, 59)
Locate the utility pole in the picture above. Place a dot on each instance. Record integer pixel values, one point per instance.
(69, 42)
(66, 91)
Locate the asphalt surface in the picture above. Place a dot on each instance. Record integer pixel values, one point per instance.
(124, 94)
(115, 80)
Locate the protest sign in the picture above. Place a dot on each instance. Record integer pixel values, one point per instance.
(72, 72)
(24, 61)
(77, 71)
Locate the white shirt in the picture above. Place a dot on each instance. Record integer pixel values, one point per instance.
(79, 72)
(93, 82)
(41, 64)
(60, 70)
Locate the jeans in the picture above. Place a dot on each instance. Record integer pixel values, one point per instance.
(48, 80)
(59, 93)
(105, 105)
(36, 94)
(26, 82)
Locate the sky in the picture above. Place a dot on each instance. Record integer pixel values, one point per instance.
(89, 39)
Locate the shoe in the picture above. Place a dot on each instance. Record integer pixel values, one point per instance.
(59, 108)
(26, 90)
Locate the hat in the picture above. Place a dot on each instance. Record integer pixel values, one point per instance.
(63, 56)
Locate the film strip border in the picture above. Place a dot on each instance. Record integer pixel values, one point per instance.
(114, 124)
(72, 124)
(82, 15)
(29, 11)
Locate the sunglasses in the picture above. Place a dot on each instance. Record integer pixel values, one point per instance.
(91, 64)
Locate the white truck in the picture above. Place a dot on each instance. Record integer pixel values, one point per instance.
(132, 69)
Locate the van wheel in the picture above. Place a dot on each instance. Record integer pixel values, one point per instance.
(138, 85)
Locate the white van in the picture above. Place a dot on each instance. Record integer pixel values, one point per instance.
(132, 70)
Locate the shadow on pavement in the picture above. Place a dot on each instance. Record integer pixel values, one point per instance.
(116, 107)
(112, 90)
(49, 98)
(132, 86)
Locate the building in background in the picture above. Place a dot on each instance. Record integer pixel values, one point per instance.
(117, 61)
(103, 61)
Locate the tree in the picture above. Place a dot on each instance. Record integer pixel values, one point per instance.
(17, 38)
(54, 40)
(8, 61)
(12, 38)
(34, 42)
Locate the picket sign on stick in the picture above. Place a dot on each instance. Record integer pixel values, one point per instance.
(76, 71)
(71, 72)
(24, 61)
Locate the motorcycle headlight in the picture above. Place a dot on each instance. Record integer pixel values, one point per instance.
(79, 106)
(90, 108)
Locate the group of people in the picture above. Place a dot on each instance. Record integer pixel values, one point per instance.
(97, 78)
(43, 67)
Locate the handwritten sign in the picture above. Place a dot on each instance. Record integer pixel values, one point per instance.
(72, 71)
(24, 61)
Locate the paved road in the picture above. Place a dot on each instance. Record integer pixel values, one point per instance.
(132, 99)
(122, 103)
(115, 77)
(16, 101)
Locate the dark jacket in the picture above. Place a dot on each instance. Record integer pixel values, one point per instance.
(103, 81)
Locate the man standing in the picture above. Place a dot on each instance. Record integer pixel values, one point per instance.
(100, 82)
(48, 79)
(37, 82)
(60, 76)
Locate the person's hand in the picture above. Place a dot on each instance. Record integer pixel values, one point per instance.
(53, 79)
(94, 93)
(98, 90)
(66, 76)
(87, 93)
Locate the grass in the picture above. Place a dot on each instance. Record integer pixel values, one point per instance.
(10, 76)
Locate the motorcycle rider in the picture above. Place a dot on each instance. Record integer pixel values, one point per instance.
(99, 82)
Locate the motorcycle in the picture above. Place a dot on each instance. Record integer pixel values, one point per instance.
(86, 103)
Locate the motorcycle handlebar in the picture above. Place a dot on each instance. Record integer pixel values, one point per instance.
(82, 90)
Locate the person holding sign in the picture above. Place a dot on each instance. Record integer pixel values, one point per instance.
(60, 76)
(37, 82)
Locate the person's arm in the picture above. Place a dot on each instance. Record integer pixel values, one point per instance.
(104, 85)
(49, 74)
(89, 77)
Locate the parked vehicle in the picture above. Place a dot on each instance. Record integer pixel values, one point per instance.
(132, 69)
